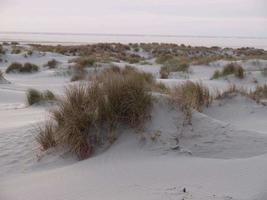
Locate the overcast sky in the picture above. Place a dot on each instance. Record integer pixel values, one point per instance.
(172, 17)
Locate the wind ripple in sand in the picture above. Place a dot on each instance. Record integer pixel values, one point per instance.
(12, 106)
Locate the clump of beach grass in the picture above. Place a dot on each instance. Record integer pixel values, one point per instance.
(85, 61)
(161, 59)
(191, 96)
(19, 68)
(231, 68)
(46, 137)
(36, 97)
(259, 93)
(88, 114)
(173, 65)
(51, 64)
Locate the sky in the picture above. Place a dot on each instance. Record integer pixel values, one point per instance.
(166, 17)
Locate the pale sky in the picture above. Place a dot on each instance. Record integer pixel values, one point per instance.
(171, 17)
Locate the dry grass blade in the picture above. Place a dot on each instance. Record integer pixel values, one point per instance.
(189, 96)
(46, 135)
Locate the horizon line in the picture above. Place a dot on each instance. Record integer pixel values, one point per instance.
(132, 35)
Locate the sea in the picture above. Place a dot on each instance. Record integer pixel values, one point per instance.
(90, 38)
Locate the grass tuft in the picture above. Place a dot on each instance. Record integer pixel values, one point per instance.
(231, 68)
(51, 64)
(173, 65)
(46, 135)
(34, 96)
(88, 114)
(191, 96)
(19, 68)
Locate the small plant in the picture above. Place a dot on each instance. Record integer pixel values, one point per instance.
(29, 68)
(228, 69)
(36, 97)
(259, 93)
(46, 135)
(175, 64)
(85, 61)
(48, 95)
(88, 115)
(239, 72)
(14, 67)
(19, 68)
(231, 68)
(29, 52)
(14, 43)
(216, 75)
(163, 58)
(132, 58)
(16, 50)
(52, 64)
(189, 96)
(164, 72)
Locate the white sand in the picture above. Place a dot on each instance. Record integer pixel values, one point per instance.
(222, 156)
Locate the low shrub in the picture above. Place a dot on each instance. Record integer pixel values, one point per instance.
(36, 97)
(29, 52)
(14, 67)
(259, 93)
(132, 58)
(29, 68)
(16, 50)
(189, 96)
(239, 72)
(161, 59)
(14, 43)
(19, 68)
(231, 68)
(85, 61)
(173, 65)
(164, 72)
(52, 64)
(48, 95)
(216, 74)
(88, 114)
(228, 69)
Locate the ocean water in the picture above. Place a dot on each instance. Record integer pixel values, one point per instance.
(68, 38)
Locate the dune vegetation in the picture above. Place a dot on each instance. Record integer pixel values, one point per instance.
(88, 114)
(191, 96)
(37, 97)
(51, 64)
(231, 68)
(19, 68)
